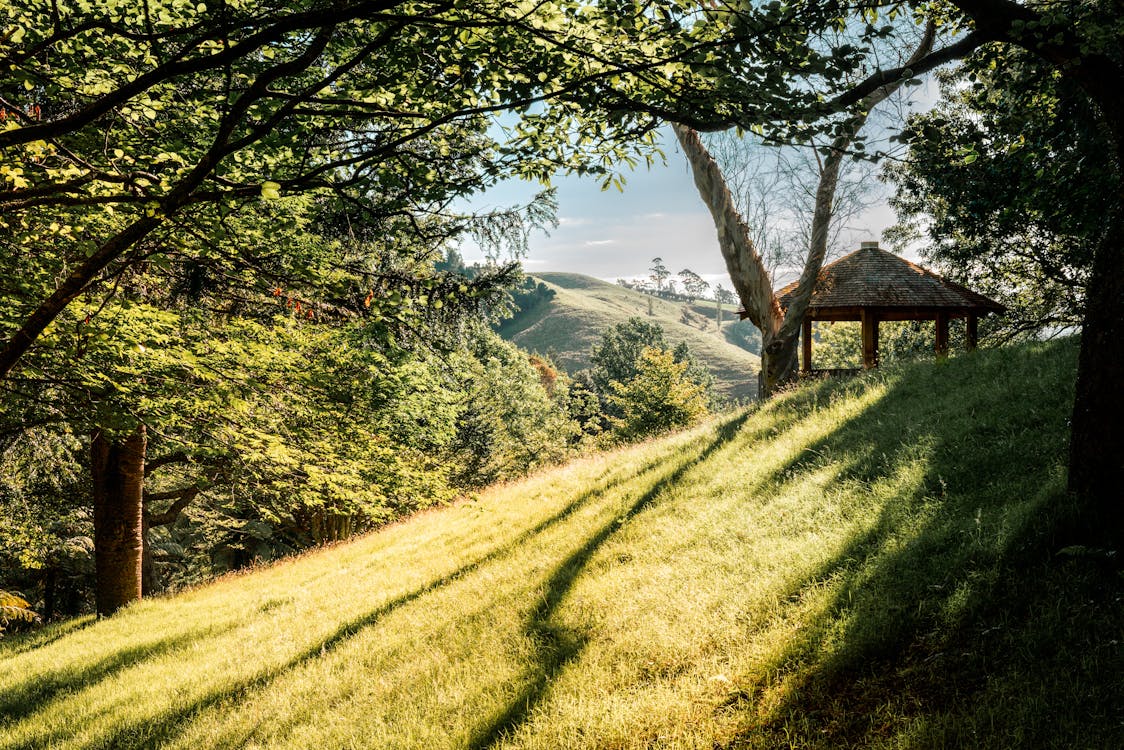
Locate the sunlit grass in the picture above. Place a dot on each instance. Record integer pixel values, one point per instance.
(842, 566)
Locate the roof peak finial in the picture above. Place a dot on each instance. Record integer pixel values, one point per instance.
(869, 245)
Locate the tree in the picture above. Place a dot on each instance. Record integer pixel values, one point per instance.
(1082, 43)
(617, 358)
(616, 355)
(660, 397)
(155, 111)
(722, 296)
(780, 329)
(511, 423)
(693, 284)
(660, 274)
(1003, 181)
(185, 375)
(132, 130)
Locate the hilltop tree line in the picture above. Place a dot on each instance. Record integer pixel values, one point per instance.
(221, 220)
(689, 287)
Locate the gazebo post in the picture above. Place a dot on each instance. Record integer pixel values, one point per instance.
(973, 331)
(807, 345)
(870, 338)
(942, 334)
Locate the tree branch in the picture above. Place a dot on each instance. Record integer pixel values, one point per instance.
(182, 498)
(924, 64)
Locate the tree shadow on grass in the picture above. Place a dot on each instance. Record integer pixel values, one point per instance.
(28, 696)
(162, 728)
(21, 643)
(941, 599)
(558, 646)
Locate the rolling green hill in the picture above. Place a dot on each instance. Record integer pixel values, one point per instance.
(877, 562)
(583, 307)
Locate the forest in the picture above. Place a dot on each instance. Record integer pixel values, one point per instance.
(235, 327)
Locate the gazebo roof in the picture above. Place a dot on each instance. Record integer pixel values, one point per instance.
(874, 278)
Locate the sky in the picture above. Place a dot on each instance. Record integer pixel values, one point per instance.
(613, 234)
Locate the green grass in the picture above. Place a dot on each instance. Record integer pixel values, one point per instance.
(584, 307)
(862, 563)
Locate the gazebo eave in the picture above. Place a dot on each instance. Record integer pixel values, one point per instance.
(854, 313)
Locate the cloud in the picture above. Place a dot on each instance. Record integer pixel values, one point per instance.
(594, 243)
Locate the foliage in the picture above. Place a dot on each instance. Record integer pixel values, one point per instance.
(45, 536)
(839, 344)
(163, 112)
(14, 609)
(510, 423)
(617, 357)
(1005, 181)
(530, 293)
(660, 397)
(338, 439)
(280, 417)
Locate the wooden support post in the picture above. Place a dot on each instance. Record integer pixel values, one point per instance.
(942, 335)
(973, 332)
(807, 344)
(870, 338)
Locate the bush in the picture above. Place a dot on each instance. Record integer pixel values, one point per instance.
(661, 397)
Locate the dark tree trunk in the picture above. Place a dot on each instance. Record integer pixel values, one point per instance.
(150, 579)
(1096, 449)
(780, 365)
(50, 584)
(1096, 458)
(117, 471)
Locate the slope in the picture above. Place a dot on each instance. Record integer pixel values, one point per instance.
(865, 563)
(583, 307)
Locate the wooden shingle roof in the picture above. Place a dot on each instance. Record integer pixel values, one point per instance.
(874, 278)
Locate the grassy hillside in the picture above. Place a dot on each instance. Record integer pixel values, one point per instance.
(584, 307)
(871, 563)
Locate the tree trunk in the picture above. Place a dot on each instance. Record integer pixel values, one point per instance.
(1096, 447)
(150, 579)
(117, 471)
(50, 584)
(1096, 452)
(779, 364)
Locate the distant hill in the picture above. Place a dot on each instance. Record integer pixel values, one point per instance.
(568, 325)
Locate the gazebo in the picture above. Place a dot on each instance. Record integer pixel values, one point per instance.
(871, 285)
